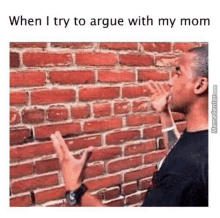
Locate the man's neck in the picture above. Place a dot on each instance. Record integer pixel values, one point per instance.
(197, 119)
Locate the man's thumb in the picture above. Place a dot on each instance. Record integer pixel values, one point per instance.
(86, 155)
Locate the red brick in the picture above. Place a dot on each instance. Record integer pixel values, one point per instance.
(49, 194)
(19, 135)
(140, 148)
(115, 203)
(47, 165)
(20, 170)
(18, 153)
(44, 131)
(101, 109)
(102, 124)
(72, 44)
(49, 96)
(154, 156)
(103, 182)
(123, 163)
(41, 59)
(27, 78)
(184, 46)
(141, 105)
(96, 93)
(129, 188)
(140, 119)
(72, 77)
(23, 200)
(105, 153)
(80, 111)
(110, 76)
(136, 60)
(83, 142)
(160, 143)
(135, 91)
(145, 183)
(28, 44)
(14, 117)
(94, 170)
(57, 113)
(95, 59)
(98, 195)
(166, 60)
(139, 173)
(119, 45)
(156, 75)
(28, 184)
(152, 132)
(18, 98)
(122, 136)
(122, 107)
(157, 46)
(133, 199)
(111, 193)
(14, 59)
(32, 115)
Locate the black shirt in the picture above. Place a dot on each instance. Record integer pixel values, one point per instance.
(183, 178)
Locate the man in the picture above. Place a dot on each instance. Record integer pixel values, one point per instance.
(182, 179)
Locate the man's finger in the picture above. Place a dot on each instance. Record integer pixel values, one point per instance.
(157, 87)
(57, 148)
(151, 87)
(162, 88)
(86, 155)
(63, 144)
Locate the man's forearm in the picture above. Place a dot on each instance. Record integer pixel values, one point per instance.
(170, 136)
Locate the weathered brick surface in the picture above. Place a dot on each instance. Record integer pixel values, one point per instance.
(110, 76)
(122, 136)
(45, 131)
(95, 59)
(32, 115)
(28, 184)
(27, 78)
(157, 46)
(18, 98)
(96, 94)
(50, 96)
(41, 59)
(72, 77)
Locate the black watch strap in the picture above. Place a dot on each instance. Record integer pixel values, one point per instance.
(73, 197)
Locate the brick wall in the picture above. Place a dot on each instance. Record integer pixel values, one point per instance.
(94, 94)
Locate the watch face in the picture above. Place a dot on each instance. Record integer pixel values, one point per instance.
(71, 197)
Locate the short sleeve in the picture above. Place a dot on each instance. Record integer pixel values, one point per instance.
(174, 190)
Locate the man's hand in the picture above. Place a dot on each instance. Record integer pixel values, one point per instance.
(160, 97)
(72, 169)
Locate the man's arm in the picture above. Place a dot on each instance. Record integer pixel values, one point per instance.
(160, 102)
(170, 132)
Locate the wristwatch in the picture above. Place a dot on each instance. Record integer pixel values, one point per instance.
(73, 196)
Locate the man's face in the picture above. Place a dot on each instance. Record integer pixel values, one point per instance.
(182, 85)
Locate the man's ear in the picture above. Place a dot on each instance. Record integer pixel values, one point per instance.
(201, 86)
